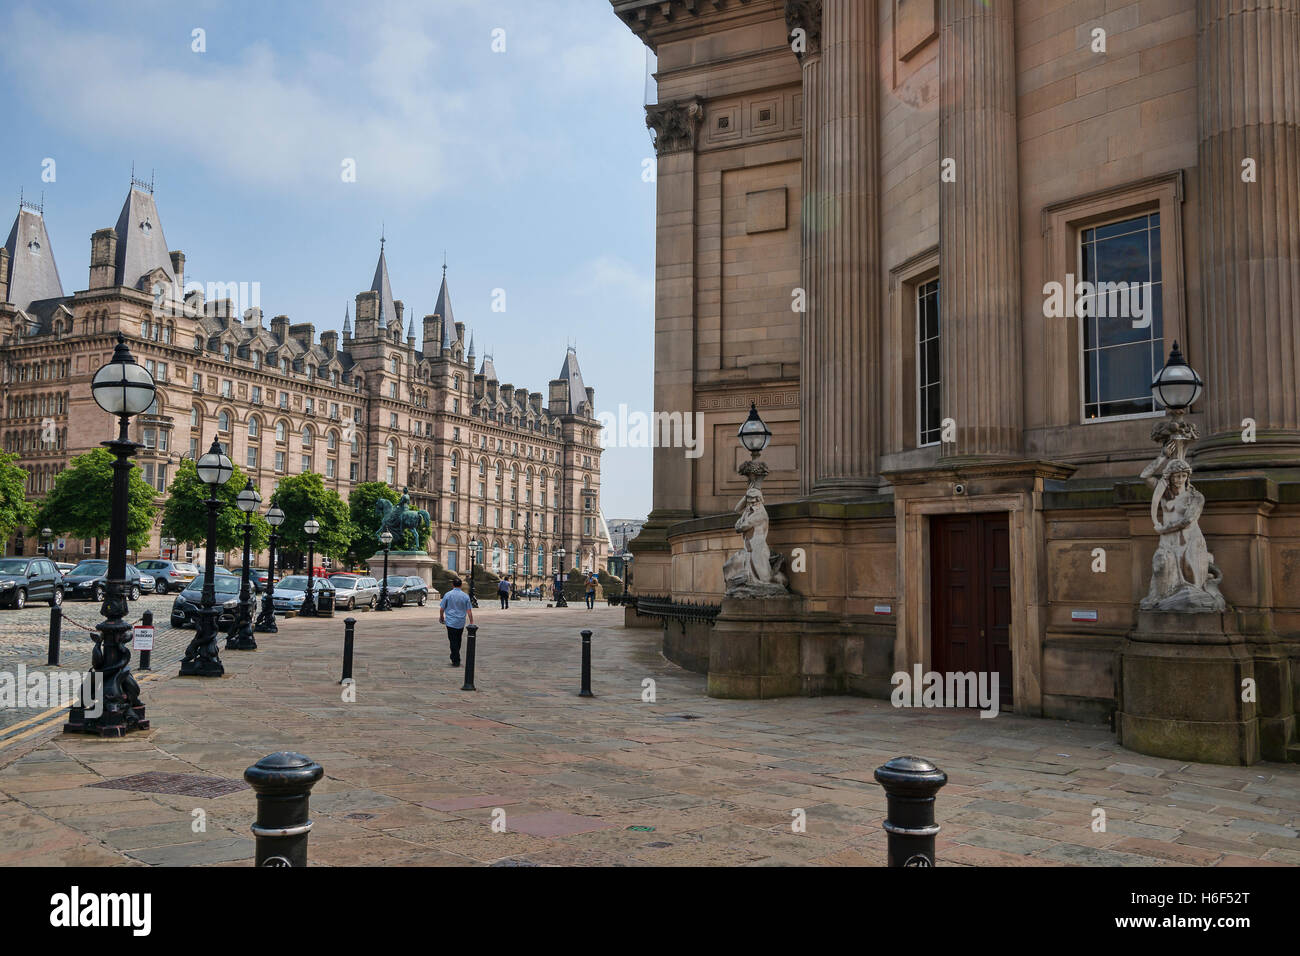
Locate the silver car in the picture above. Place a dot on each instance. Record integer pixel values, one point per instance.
(291, 591)
(353, 591)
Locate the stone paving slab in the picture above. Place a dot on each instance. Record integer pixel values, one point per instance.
(415, 767)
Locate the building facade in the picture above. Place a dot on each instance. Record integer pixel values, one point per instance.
(874, 218)
(514, 471)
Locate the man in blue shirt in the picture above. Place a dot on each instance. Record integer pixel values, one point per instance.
(455, 611)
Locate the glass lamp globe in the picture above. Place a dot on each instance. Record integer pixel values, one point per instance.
(386, 538)
(214, 468)
(1177, 386)
(275, 517)
(311, 526)
(248, 500)
(754, 433)
(122, 387)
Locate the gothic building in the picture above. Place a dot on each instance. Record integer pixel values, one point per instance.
(492, 463)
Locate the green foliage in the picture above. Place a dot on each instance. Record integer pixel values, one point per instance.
(305, 496)
(365, 518)
(80, 503)
(185, 516)
(15, 510)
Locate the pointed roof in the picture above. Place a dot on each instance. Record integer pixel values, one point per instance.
(410, 327)
(488, 370)
(347, 319)
(443, 308)
(570, 372)
(471, 347)
(141, 247)
(33, 276)
(381, 285)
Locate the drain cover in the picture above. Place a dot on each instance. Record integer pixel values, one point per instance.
(181, 784)
(359, 816)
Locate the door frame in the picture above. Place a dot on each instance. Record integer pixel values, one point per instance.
(1028, 602)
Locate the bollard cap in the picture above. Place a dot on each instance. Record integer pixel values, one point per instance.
(284, 773)
(349, 620)
(910, 777)
(585, 634)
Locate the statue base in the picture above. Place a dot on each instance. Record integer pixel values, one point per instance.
(773, 647)
(411, 564)
(1200, 687)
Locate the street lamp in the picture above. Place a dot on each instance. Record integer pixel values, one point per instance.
(241, 636)
(559, 596)
(312, 527)
(203, 657)
(473, 549)
(266, 620)
(754, 434)
(121, 388)
(384, 604)
(528, 552)
(1177, 386)
(169, 547)
(627, 563)
(46, 534)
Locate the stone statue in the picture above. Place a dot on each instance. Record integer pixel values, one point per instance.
(754, 571)
(1184, 576)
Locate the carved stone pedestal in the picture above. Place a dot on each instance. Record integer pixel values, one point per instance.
(774, 647)
(413, 564)
(1204, 687)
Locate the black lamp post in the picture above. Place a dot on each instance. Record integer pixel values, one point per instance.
(473, 559)
(754, 433)
(122, 388)
(312, 527)
(46, 534)
(627, 564)
(241, 637)
(528, 549)
(1177, 386)
(266, 620)
(203, 657)
(559, 598)
(168, 547)
(384, 604)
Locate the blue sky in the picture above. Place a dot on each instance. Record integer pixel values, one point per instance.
(524, 165)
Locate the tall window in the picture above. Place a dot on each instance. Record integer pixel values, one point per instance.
(1123, 330)
(929, 423)
(223, 421)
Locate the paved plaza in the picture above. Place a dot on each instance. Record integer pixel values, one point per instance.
(417, 770)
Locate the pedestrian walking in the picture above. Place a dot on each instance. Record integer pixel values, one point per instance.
(455, 612)
(591, 589)
(503, 591)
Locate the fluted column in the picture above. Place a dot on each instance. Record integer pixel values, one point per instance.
(840, 421)
(979, 230)
(1248, 95)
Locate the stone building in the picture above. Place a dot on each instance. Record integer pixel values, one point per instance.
(862, 209)
(487, 460)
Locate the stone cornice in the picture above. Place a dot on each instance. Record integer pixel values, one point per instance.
(675, 124)
(975, 468)
(652, 19)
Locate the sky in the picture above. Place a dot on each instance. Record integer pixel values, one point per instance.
(523, 164)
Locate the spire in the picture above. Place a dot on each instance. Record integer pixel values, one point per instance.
(570, 372)
(410, 328)
(347, 320)
(384, 287)
(443, 309)
(141, 247)
(33, 276)
(488, 370)
(471, 348)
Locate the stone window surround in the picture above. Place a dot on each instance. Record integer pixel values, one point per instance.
(1062, 223)
(900, 351)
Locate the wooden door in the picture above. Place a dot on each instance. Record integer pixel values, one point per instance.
(970, 596)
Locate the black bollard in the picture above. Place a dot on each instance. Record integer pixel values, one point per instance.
(586, 665)
(349, 634)
(282, 782)
(147, 620)
(56, 632)
(910, 786)
(469, 658)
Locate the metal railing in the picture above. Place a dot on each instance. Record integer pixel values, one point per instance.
(683, 612)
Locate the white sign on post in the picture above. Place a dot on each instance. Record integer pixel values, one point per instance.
(143, 638)
(62, 541)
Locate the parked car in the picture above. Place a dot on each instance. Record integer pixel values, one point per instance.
(29, 579)
(351, 591)
(147, 582)
(168, 575)
(87, 581)
(259, 578)
(417, 592)
(291, 591)
(397, 590)
(185, 607)
(63, 566)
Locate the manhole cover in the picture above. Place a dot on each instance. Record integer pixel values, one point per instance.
(182, 784)
(359, 816)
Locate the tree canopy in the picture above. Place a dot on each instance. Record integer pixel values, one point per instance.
(185, 516)
(80, 503)
(15, 510)
(305, 496)
(365, 518)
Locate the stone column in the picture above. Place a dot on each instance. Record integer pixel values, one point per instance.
(839, 428)
(1248, 95)
(979, 230)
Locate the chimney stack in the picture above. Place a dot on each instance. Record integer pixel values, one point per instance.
(329, 341)
(178, 267)
(103, 259)
(280, 328)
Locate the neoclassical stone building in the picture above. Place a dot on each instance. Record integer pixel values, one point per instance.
(488, 460)
(862, 208)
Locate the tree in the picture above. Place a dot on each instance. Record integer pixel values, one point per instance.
(185, 516)
(80, 503)
(305, 496)
(365, 518)
(15, 510)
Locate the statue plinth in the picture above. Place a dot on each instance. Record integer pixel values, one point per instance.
(415, 564)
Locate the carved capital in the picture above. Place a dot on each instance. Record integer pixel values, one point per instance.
(803, 20)
(674, 124)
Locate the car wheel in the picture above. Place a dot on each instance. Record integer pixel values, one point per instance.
(371, 605)
(135, 592)
(352, 603)
(57, 600)
(20, 599)
(100, 593)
